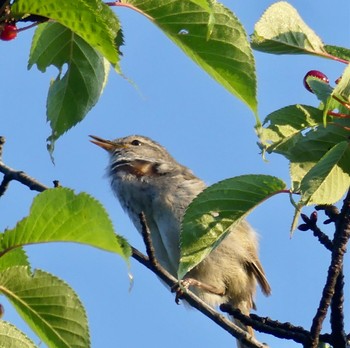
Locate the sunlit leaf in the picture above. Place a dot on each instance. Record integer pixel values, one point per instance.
(92, 20)
(298, 133)
(10, 336)
(329, 179)
(339, 52)
(283, 125)
(342, 89)
(15, 257)
(58, 215)
(281, 30)
(48, 305)
(225, 53)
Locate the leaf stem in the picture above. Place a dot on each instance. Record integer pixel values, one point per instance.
(132, 7)
(339, 115)
(347, 105)
(330, 56)
(29, 26)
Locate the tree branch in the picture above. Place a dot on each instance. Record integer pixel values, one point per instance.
(337, 313)
(273, 327)
(147, 239)
(2, 142)
(341, 238)
(11, 174)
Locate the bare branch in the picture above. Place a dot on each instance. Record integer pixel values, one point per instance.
(2, 142)
(341, 238)
(4, 185)
(147, 239)
(337, 313)
(273, 327)
(331, 211)
(23, 178)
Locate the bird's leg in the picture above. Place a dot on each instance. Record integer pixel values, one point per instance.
(184, 284)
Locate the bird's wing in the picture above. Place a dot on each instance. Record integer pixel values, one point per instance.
(256, 268)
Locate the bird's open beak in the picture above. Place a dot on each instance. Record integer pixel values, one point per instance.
(105, 144)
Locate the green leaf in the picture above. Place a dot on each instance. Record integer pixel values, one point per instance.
(225, 53)
(92, 20)
(329, 179)
(58, 215)
(206, 5)
(10, 336)
(16, 257)
(217, 210)
(322, 89)
(70, 96)
(48, 305)
(297, 132)
(342, 90)
(283, 127)
(281, 30)
(338, 52)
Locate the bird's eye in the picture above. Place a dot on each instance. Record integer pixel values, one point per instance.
(136, 142)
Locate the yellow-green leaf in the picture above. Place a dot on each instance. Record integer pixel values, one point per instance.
(48, 305)
(59, 215)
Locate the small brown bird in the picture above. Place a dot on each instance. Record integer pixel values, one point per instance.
(146, 178)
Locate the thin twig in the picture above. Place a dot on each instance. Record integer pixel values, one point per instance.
(331, 211)
(337, 313)
(147, 239)
(21, 177)
(4, 185)
(341, 237)
(2, 142)
(130, 6)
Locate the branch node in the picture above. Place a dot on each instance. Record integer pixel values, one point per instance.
(310, 223)
(2, 142)
(56, 183)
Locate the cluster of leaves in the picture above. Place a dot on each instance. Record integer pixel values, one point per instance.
(315, 140)
(49, 305)
(86, 36)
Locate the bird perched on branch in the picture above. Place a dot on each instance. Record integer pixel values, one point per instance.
(146, 178)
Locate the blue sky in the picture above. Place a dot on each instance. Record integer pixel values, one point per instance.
(205, 128)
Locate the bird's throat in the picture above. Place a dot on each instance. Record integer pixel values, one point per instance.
(138, 168)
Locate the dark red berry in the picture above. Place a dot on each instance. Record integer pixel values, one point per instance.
(317, 74)
(9, 32)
